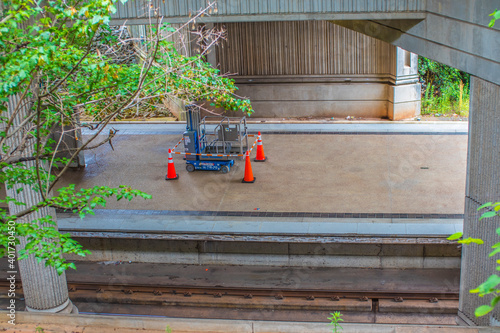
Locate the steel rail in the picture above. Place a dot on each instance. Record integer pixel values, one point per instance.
(245, 292)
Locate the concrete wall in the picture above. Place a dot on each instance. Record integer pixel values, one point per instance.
(337, 100)
(483, 185)
(318, 69)
(273, 254)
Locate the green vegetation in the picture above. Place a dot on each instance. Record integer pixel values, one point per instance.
(496, 16)
(491, 286)
(58, 64)
(445, 90)
(335, 320)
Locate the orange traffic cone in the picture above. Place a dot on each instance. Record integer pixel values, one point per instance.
(249, 178)
(171, 174)
(260, 151)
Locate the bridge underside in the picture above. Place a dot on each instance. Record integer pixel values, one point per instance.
(442, 30)
(139, 11)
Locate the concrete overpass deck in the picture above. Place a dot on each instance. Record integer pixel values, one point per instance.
(393, 179)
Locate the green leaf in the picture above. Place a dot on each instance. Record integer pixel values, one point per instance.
(483, 310)
(60, 270)
(487, 215)
(488, 204)
(96, 19)
(471, 240)
(456, 236)
(488, 286)
(45, 35)
(496, 14)
(497, 250)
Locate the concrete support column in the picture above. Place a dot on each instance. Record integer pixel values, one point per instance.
(404, 95)
(483, 185)
(44, 290)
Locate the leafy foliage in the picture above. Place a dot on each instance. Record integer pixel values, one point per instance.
(496, 16)
(444, 88)
(492, 285)
(54, 71)
(335, 320)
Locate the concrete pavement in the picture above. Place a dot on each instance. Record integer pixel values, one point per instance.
(27, 322)
(340, 178)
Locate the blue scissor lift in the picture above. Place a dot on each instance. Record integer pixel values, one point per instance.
(229, 137)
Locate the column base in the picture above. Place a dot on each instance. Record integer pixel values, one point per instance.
(463, 320)
(404, 101)
(66, 307)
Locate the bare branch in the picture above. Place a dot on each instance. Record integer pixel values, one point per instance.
(110, 117)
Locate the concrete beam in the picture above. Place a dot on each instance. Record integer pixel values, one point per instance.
(272, 17)
(471, 11)
(469, 47)
(138, 11)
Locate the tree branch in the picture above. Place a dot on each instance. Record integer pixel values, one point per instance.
(125, 104)
(54, 88)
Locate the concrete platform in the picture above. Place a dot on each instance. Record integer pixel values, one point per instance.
(147, 221)
(28, 322)
(354, 178)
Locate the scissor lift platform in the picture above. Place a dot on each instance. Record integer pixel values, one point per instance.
(213, 150)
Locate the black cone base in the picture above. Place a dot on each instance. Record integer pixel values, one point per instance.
(252, 181)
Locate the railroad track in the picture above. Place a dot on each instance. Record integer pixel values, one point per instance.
(264, 304)
(248, 293)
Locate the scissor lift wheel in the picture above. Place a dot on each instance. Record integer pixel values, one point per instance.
(189, 167)
(224, 169)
